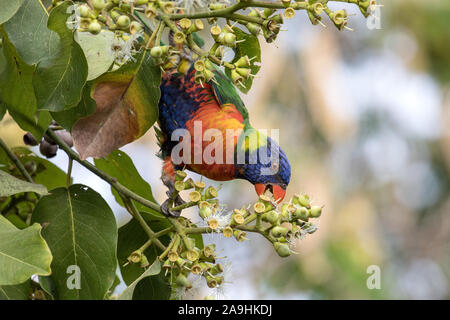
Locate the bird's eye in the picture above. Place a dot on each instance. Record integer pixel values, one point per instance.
(274, 166)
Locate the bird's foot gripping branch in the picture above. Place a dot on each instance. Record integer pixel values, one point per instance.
(90, 73)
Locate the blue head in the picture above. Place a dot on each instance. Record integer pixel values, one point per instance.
(261, 161)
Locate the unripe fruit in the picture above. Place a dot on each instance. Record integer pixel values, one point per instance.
(47, 149)
(205, 212)
(66, 137)
(29, 139)
(123, 22)
(95, 27)
(282, 249)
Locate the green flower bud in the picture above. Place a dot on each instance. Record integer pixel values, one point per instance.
(268, 12)
(309, 227)
(84, 11)
(217, 6)
(301, 213)
(95, 27)
(99, 4)
(243, 62)
(197, 26)
(208, 76)
(123, 22)
(156, 52)
(216, 269)
(183, 281)
(271, 217)
(253, 28)
(167, 6)
(302, 200)
(278, 231)
(286, 3)
(315, 211)
(205, 212)
(245, 72)
(230, 40)
(282, 249)
(167, 265)
(144, 261)
(279, 17)
(180, 175)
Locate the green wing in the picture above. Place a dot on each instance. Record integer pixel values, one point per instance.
(225, 92)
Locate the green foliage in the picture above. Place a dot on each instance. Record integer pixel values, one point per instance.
(10, 185)
(83, 233)
(22, 253)
(57, 82)
(100, 80)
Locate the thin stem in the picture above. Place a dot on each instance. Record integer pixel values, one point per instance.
(16, 161)
(137, 215)
(69, 171)
(184, 206)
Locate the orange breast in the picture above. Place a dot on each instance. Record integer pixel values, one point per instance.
(214, 131)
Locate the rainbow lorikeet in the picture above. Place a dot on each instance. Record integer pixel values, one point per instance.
(184, 104)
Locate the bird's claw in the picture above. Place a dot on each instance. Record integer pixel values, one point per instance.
(165, 209)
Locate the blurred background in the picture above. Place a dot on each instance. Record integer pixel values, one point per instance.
(364, 117)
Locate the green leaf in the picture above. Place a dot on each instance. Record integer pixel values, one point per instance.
(154, 269)
(27, 31)
(127, 106)
(61, 75)
(10, 185)
(98, 51)
(119, 165)
(9, 9)
(16, 292)
(85, 107)
(132, 237)
(17, 93)
(22, 253)
(251, 48)
(81, 232)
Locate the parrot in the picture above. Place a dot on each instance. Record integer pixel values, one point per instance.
(215, 105)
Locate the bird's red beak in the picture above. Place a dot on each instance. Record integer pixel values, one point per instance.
(277, 191)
